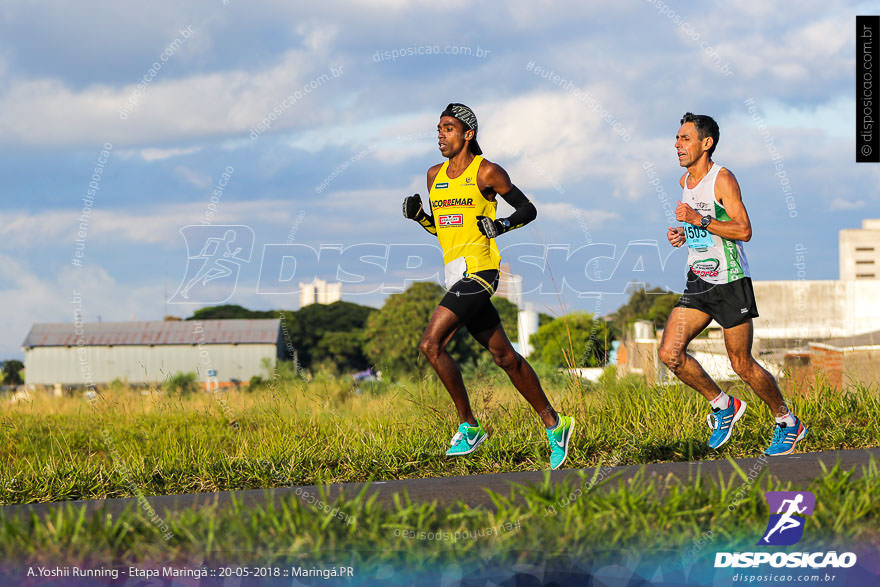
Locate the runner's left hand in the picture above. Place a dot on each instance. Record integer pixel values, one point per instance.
(490, 228)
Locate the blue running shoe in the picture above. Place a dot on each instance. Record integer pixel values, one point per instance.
(785, 438)
(560, 439)
(466, 440)
(722, 427)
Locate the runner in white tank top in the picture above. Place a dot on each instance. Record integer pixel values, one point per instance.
(718, 286)
(711, 257)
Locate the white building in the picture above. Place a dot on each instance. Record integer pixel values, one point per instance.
(319, 292)
(150, 352)
(510, 285)
(860, 251)
(815, 309)
(526, 326)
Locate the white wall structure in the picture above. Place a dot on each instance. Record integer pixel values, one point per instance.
(859, 251)
(150, 352)
(816, 309)
(510, 285)
(319, 292)
(527, 325)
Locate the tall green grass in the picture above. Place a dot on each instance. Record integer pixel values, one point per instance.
(531, 525)
(330, 430)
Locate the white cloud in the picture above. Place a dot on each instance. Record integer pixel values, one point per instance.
(807, 52)
(219, 103)
(843, 204)
(158, 225)
(193, 178)
(154, 154)
(555, 139)
(565, 212)
(51, 300)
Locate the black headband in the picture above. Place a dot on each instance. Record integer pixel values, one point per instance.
(462, 113)
(467, 117)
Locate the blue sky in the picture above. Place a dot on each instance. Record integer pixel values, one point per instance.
(336, 154)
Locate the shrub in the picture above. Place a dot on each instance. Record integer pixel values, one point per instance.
(181, 383)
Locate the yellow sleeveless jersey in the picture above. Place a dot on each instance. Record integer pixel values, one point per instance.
(455, 204)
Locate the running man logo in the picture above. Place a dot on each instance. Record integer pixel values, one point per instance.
(784, 528)
(212, 273)
(451, 219)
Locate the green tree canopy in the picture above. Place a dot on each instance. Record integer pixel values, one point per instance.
(327, 333)
(317, 333)
(575, 340)
(653, 304)
(508, 312)
(231, 311)
(12, 372)
(394, 332)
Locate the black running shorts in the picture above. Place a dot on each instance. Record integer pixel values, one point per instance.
(470, 299)
(729, 304)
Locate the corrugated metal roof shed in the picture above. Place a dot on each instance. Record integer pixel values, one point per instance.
(154, 333)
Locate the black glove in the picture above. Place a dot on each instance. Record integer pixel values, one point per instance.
(412, 207)
(492, 228)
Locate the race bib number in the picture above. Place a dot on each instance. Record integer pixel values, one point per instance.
(697, 238)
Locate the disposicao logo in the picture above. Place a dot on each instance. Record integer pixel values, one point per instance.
(784, 528)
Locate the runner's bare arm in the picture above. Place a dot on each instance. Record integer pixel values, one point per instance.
(727, 192)
(675, 234)
(493, 179)
(432, 174)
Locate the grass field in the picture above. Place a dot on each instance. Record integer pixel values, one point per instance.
(530, 525)
(299, 433)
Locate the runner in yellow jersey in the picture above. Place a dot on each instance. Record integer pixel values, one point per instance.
(462, 198)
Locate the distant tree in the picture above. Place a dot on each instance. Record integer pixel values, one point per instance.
(317, 333)
(344, 350)
(508, 312)
(327, 333)
(182, 383)
(661, 308)
(12, 372)
(231, 311)
(394, 332)
(653, 304)
(575, 340)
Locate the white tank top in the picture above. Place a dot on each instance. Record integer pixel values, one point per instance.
(711, 257)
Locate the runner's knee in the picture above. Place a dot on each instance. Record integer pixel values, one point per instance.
(670, 357)
(742, 365)
(507, 359)
(430, 348)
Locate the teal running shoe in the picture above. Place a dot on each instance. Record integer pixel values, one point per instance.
(560, 439)
(466, 440)
(785, 438)
(724, 421)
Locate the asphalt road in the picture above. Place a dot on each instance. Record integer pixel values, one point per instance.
(799, 469)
